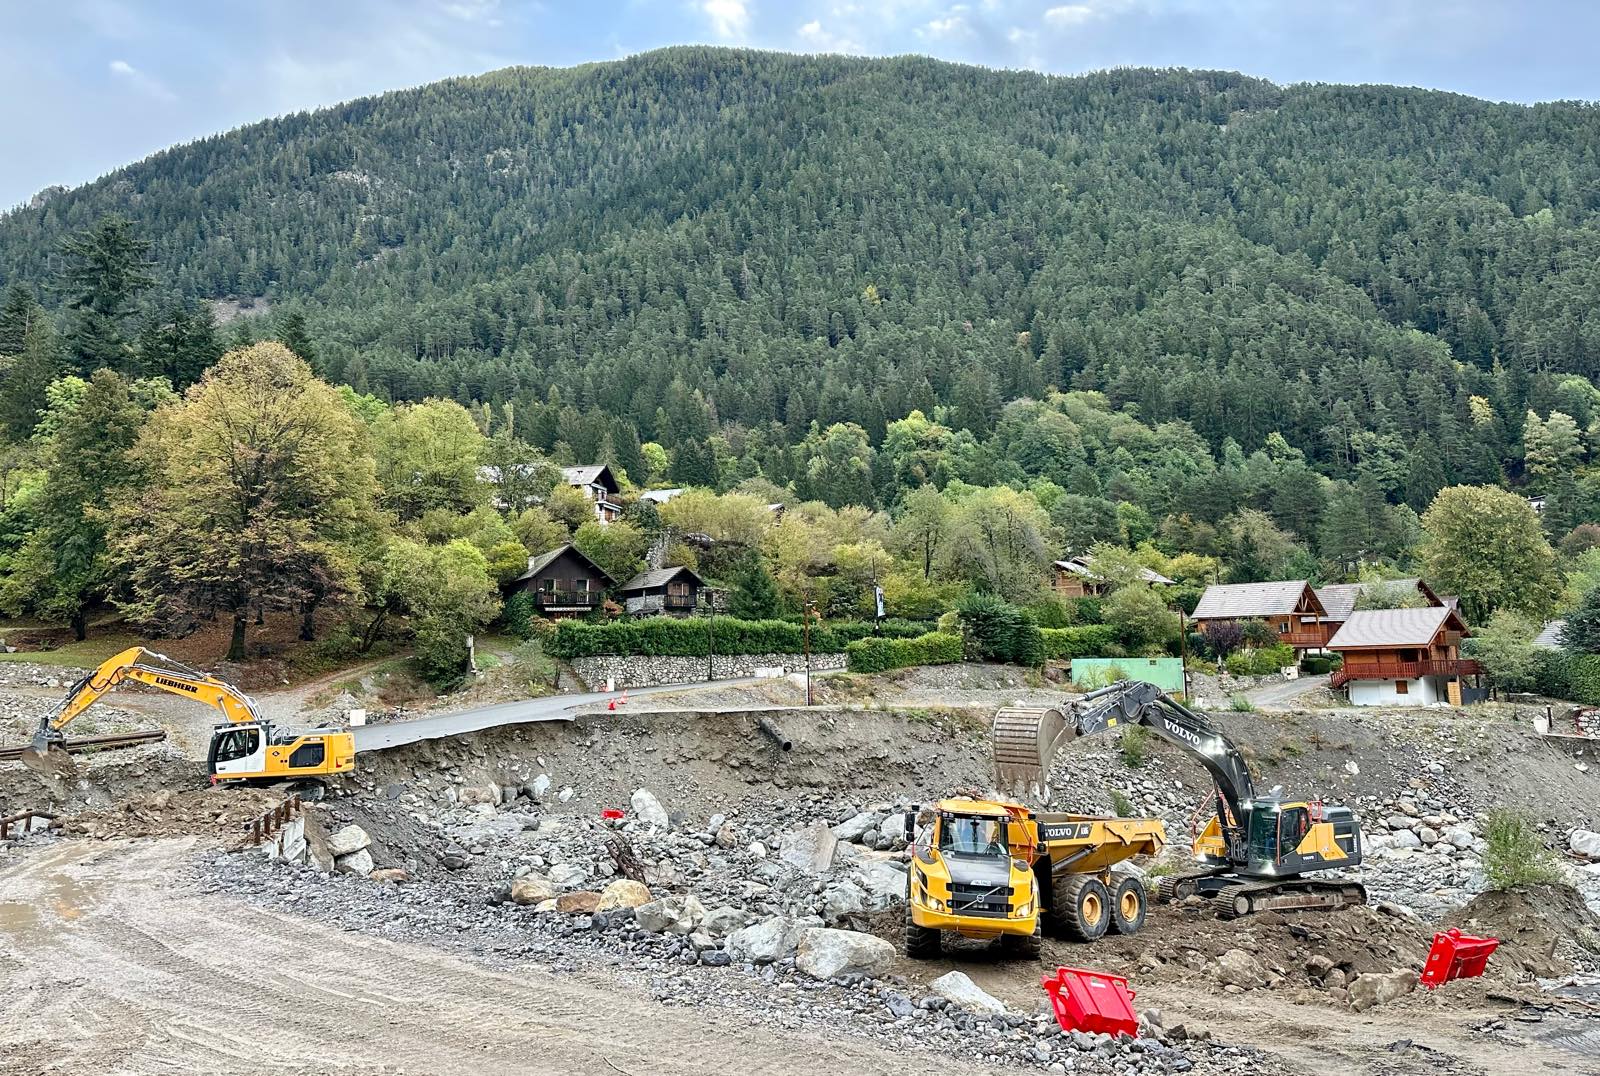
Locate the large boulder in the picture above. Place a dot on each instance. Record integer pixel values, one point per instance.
(533, 889)
(720, 922)
(1238, 968)
(670, 915)
(884, 882)
(649, 809)
(568, 876)
(1374, 988)
(342, 842)
(852, 829)
(1585, 842)
(623, 893)
(1461, 837)
(357, 862)
(810, 848)
(470, 795)
(763, 942)
(825, 954)
(844, 903)
(582, 902)
(1404, 838)
(957, 989)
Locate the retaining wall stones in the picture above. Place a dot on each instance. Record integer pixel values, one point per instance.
(643, 671)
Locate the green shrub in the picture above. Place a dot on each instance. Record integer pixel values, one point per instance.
(1516, 856)
(1087, 641)
(1087, 610)
(1135, 746)
(517, 616)
(1316, 665)
(996, 630)
(1583, 678)
(1241, 704)
(1121, 804)
(1260, 662)
(881, 654)
(1552, 673)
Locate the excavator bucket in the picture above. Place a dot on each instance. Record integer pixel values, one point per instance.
(50, 762)
(1025, 742)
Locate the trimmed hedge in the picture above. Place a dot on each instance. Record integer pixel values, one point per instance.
(892, 628)
(996, 630)
(665, 636)
(1319, 664)
(881, 654)
(1583, 672)
(1552, 674)
(1085, 641)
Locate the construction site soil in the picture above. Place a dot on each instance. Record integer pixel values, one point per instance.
(1269, 994)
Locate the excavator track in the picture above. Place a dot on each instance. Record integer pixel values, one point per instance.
(1175, 887)
(1293, 895)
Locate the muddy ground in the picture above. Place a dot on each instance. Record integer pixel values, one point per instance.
(917, 735)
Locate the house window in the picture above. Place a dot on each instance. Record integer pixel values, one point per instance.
(678, 588)
(1402, 687)
(547, 585)
(581, 586)
(1283, 627)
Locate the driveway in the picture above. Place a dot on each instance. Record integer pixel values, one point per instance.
(1280, 693)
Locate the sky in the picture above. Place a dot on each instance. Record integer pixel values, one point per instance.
(91, 85)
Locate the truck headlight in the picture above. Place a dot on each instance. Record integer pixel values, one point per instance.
(1025, 910)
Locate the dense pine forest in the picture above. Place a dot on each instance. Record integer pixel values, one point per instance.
(1256, 323)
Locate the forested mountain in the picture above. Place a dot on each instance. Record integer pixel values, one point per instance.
(715, 250)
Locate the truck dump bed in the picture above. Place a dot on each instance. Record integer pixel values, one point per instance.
(1087, 844)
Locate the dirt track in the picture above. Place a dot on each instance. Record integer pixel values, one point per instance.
(112, 967)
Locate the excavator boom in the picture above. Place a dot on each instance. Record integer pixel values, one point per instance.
(138, 664)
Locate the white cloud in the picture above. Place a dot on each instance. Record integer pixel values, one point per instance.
(486, 12)
(1064, 15)
(730, 19)
(145, 84)
(953, 23)
(820, 39)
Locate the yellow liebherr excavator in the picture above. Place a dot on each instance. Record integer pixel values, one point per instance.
(1254, 854)
(248, 748)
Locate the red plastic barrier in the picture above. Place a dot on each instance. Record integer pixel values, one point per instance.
(1456, 956)
(612, 814)
(1089, 1001)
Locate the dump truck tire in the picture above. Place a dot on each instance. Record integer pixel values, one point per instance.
(922, 943)
(1129, 900)
(1023, 946)
(1082, 907)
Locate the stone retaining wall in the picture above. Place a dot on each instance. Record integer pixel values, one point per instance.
(642, 671)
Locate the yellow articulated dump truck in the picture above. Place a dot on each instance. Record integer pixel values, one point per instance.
(991, 869)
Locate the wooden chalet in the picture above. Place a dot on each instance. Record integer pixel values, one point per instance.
(600, 487)
(662, 590)
(1290, 608)
(563, 582)
(1405, 657)
(1075, 577)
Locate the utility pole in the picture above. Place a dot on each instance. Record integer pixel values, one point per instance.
(711, 632)
(807, 611)
(1183, 651)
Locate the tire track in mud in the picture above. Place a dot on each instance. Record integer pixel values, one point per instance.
(112, 966)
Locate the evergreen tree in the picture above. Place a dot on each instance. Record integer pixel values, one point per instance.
(754, 594)
(23, 391)
(17, 316)
(292, 334)
(179, 343)
(1581, 632)
(103, 269)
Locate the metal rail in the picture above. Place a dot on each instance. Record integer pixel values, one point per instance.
(263, 826)
(23, 817)
(85, 744)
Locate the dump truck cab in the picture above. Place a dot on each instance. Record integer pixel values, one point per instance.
(991, 869)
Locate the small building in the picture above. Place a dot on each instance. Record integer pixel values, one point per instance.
(1075, 577)
(660, 496)
(1291, 608)
(600, 487)
(1405, 657)
(1549, 637)
(563, 582)
(662, 590)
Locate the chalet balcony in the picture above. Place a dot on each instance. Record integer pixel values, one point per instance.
(566, 599)
(1403, 670)
(1304, 639)
(678, 603)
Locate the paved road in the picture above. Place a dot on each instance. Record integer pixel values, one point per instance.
(523, 712)
(1281, 692)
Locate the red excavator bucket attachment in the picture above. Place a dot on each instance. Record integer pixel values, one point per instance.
(1456, 956)
(1089, 1001)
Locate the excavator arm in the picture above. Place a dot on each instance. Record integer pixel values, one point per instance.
(1026, 739)
(143, 667)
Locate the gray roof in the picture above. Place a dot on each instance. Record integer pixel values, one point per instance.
(1084, 566)
(1231, 601)
(1390, 627)
(660, 496)
(1339, 599)
(1550, 637)
(544, 560)
(588, 476)
(657, 577)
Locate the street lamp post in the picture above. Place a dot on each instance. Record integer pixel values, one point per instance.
(711, 632)
(808, 610)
